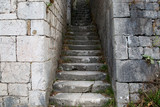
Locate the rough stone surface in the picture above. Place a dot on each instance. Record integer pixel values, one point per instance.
(37, 29)
(37, 98)
(3, 90)
(145, 41)
(33, 48)
(133, 41)
(10, 101)
(40, 79)
(153, 52)
(135, 53)
(16, 89)
(4, 6)
(15, 72)
(8, 49)
(122, 96)
(135, 87)
(31, 10)
(121, 47)
(13, 27)
(133, 71)
(121, 10)
(81, 75)
(72, 99)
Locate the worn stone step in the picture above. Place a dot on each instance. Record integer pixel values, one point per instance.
(79, 99)
(82, 59)
(80, 24)
(90, 33)
(81, 66)
(82, 27)
(82, 47)
(82, 52)
(82, 37)
(81, 75)
(82, 42)
(79, 86)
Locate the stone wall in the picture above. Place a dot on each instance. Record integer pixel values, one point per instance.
(30, 44)
(128, 30)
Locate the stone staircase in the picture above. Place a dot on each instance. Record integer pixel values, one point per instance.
(79, 76)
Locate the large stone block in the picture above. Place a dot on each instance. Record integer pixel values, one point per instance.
(24, 100)
(153, 52)
(40, 27)
(135, 53)
(152, 6)
(15, 72)
(37, 98)
(132, 26)
(13, 27)
(7, 49)
(42, 75)
(145, 41)
(8, 16)
(18, 89)
(150, 14)
(142, 26)
(135, 87)
(120, 47)
(134, 71)
(121, 10)
(11, 101)
(33, 48)
(32, 10)
(4, 6)
(3, 90)
(122, 96)
(123, 26)
(133, 41)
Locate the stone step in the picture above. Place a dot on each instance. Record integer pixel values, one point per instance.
(90, 33)
(81, 75)
(79, 99)
(82, 42)
(82, 52)
(81, 66)
(80, 24)
(82, 59)
(82, 47)
(64, 86)
(82, 27)
(81, 20)
(82, 37)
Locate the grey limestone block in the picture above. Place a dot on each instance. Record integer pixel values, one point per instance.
(134, 71)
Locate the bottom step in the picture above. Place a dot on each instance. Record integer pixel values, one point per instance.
(79, 99)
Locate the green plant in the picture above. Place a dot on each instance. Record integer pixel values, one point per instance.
(66, 60)
(104, 68)
(110, 103)
(108, 78)
(156, 41)
(131, 104)
(148, 59)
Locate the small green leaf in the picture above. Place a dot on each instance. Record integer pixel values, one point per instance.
(145, 56)
(152, 61)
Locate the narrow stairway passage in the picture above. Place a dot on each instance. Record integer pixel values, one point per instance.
(79, 77)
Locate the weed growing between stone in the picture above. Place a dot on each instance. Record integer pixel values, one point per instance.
(104, 68)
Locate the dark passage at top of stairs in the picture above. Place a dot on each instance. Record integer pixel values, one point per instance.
(79, 75)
